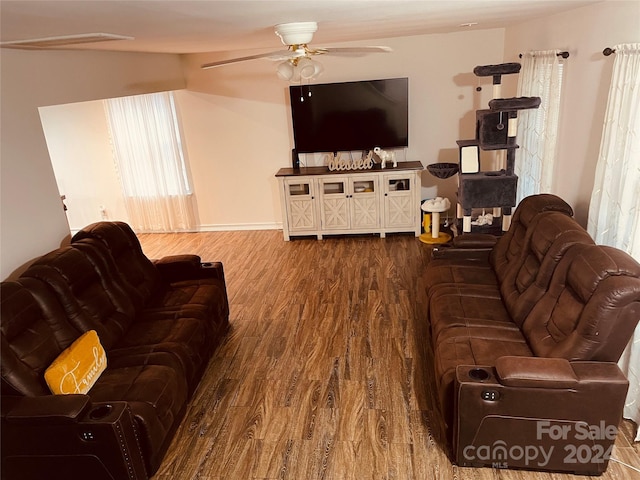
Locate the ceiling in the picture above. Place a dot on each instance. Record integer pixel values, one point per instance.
(185, 26)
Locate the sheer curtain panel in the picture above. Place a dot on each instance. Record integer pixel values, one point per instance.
(148, 154)
(614, 211)
(540, 76)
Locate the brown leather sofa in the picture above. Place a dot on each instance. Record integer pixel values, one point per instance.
(526, 332)
(159, 323)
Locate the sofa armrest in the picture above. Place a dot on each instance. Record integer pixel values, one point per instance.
(66, 436)
(552, 407)
(175, 268)
(47, 409)
(535, 372)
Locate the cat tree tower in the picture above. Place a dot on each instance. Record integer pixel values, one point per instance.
(496, 129)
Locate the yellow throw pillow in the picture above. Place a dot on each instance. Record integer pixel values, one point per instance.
(78, 367)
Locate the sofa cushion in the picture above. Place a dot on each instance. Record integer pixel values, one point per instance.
(473, 346)
(199, 298)
(89, 302)
(591, 309)
(460, 271)
(476, 346)
(31, 340)
(548, 239)
(78, 367)
(143, 279)
(508, 249)
(467, 306)
(186, 338)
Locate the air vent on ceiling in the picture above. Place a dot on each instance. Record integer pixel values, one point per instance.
(63, 40)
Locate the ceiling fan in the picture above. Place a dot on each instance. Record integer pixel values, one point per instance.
(297, 62)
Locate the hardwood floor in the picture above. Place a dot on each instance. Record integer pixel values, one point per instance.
(326, 372)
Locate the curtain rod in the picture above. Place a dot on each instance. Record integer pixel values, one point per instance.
(608, 51)
(559, 54)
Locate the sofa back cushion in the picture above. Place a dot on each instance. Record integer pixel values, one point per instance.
(102, 260)
(32, 337)
(126, 251)
(509, 247)
(548, 238)
(90, 301)
(591, 308)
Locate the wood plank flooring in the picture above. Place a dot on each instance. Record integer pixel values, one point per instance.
(326, 372)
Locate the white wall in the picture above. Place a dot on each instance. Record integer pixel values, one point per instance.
(584, 33)
(237, 121)
(78, 140)
(32, 221)
(234, 146)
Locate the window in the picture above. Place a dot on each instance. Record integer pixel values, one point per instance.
(150, 159)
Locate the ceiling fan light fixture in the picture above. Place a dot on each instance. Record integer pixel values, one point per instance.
(309, 69)
(297, 33)
(298, 69)
(285, 70)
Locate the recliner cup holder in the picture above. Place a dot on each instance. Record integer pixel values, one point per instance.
(100, 411)
(479, 374)
(206, 265)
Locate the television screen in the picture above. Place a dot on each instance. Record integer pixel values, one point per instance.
(347, 116)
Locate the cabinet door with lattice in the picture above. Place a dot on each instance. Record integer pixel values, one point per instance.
(301, 212)
(364, 202)
(399, 200)
(334, 206)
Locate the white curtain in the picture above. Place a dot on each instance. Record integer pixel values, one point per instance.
(614, 211)
(150, 161)
(540, 76)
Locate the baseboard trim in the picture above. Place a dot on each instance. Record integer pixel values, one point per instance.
(230, 227)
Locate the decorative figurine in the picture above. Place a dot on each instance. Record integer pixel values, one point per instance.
(385, 157)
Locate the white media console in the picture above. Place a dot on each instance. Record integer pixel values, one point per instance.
(318, 202)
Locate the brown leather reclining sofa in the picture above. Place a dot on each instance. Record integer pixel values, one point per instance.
(526, 332)
(159, 323)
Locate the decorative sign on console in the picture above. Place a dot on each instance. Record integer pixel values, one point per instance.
(338, 162)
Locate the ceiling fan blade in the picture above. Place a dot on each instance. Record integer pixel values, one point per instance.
(62, 41)
(353, 51)
(277, 54)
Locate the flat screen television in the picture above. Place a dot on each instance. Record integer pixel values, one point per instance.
(347, 116)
